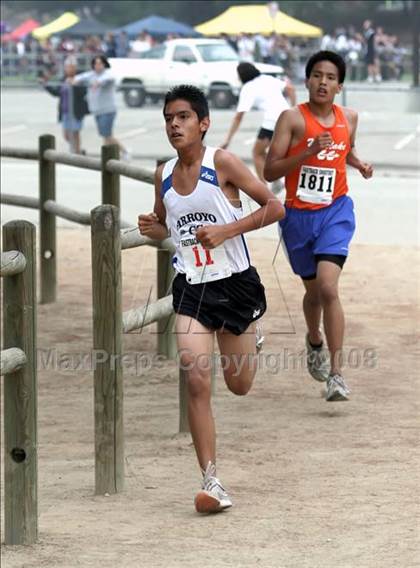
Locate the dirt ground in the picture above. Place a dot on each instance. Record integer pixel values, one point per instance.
(314, 484)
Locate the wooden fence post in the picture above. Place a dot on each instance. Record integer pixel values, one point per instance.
(166, 340)
(107, 334)
(47, 223)
(110, 180)
(20, 392)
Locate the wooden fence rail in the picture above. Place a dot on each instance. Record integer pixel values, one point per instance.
(131, 238)
(18, 363)
(20, 153)
(66, 212)
(11, 360)
(12, 262)
(138, 318)
(19, 200)
(73, 160)
(130, 171)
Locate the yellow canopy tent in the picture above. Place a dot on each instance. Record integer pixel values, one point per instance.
(61, 23)
(256, 19)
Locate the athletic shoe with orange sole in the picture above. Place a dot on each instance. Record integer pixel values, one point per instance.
(213, 497)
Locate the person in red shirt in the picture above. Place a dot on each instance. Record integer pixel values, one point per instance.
(312, 144)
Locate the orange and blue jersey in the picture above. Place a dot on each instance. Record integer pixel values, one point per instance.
(321, 178)
(319, 222)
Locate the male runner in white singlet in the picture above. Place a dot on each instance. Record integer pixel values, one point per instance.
(216, 290)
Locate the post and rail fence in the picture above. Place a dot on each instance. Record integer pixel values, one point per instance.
(111, 169)
(108, 240)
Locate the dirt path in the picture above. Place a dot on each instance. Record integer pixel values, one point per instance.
(314, 484)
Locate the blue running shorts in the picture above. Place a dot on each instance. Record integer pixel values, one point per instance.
(308, 233)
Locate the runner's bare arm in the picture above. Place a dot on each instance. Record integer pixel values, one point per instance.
(237, 119)
(352, 159)
(153, 225)
(232, 170)
(290, 93)
(276, 164)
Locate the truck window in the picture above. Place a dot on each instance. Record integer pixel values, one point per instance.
(184, 53)
(217, 52)
(154, 53)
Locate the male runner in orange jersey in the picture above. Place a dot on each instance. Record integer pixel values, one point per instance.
(311, 146)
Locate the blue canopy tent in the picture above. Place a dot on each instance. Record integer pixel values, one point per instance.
(87, 27)
(157, 26)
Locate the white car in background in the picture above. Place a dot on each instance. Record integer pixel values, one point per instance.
(209, 64)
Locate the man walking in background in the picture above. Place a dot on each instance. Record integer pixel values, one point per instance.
(267, 94)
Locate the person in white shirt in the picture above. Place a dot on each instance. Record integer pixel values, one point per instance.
(142, 43)
(267, 94)
(246, 47)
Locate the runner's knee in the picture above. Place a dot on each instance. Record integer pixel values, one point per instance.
(198, 375)
(312, 299)
(238, 378)
(239, 387)
(328, 292)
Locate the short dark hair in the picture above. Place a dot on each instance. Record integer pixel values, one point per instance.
(247, 72)
(102, 58)
(325, 55)
(191, 94)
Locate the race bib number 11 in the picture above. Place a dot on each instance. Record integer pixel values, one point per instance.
(202, 265)
(316, 185)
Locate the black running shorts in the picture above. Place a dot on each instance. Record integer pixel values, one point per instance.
(231, 303)
(265, 134)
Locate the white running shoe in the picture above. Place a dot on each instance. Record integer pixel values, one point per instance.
(213, 497)
(336, 389)
(317, 361)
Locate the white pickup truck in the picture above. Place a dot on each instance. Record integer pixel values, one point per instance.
(209, 64)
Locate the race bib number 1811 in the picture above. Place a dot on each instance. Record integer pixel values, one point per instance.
(316, 185)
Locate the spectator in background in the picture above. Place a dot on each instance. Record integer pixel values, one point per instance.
(397, 63)
(354, 55)
(72, 105)
(328, 42)
(341, 43)
(92, 45)
(246, 47)
(122, 45)
(110, 45)
(101, 98)
(142, 43)
(371, 59)
(232, 41)
(262, 49)
(281, 51)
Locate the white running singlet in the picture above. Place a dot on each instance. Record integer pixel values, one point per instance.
(206, 205)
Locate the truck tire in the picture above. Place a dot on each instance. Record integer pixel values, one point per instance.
(221, 97)
(134, 95)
